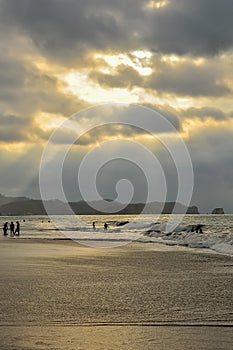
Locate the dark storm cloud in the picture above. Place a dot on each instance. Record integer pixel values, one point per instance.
(12, 128)
(169, 113)
(188, 79)
(124, 77)
(12, 77)
(102, 133)
(109, 131)
(11, 73)
(143, 114)
(180, 78)
(18, 170)
(102, 123)
(199, 27)
(65, 28)
(205, 112)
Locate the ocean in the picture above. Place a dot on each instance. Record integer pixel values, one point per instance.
(217, 230)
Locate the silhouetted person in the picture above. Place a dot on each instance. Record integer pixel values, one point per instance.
(5, 229)
(12, 229)
(17, 230)
(93, 225)
(105, 226)
(199, 229)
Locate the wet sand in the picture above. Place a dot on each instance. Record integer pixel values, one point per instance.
(61, 295)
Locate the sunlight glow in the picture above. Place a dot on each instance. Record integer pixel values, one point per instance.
(172, 58)
(142, 54)
(80, 85)
(155, 4)
(165, 100)
(191, 125)
(43, 65)
(138, 60)
(199, 61)
(48, 121)
(16, 147)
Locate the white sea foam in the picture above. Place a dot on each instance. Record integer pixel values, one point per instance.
(222, 243)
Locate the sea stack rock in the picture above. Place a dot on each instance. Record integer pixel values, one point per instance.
(218, 211)
(193, 210)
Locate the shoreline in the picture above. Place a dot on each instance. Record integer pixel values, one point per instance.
(217, 235)
(156, 245)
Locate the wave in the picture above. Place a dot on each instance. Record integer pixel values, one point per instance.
(182, 236)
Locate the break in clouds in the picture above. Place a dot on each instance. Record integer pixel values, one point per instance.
(58, 57)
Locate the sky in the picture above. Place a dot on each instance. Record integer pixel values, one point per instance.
(61, 57)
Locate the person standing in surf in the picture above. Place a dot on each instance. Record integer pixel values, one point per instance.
(17, 230)
(5, 229)
(12, 229)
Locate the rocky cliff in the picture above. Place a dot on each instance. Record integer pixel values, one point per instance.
(218, 211)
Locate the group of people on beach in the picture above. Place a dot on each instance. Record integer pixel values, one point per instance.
(196, 228)
(14, 229)
(105, 225)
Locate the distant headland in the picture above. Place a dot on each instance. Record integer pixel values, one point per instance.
(14, 206)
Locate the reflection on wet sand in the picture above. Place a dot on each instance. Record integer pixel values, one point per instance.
(60, 295)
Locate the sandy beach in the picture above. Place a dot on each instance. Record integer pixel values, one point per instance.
(61, 295)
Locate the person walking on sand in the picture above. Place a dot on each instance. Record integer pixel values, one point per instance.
(17, 230)
(105, 226)
(5, 229)
(12, 229)
(93, 225)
